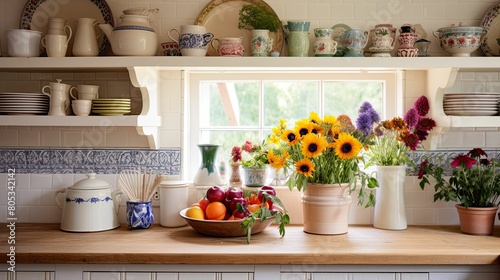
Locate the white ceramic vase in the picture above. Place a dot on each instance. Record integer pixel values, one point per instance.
(390, 211)
(326, 208)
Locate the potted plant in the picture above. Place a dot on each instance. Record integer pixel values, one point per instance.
(253, 159)
(474, 183)
(260, 20)
(325, 156)
(389, 156)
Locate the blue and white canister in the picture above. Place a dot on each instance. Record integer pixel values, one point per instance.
(139, 214)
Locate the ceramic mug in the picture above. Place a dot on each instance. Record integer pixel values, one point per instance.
(56, 45)
(193, 39)
(88, 92)
(171, 49)
(228, 46)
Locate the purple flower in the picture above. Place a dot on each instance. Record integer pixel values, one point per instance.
(367, 108)
(411, 118)
(422, 106)
(364, 123)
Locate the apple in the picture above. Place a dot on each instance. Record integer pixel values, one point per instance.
(232, 193)
(241, 215)
(216, 193)
(235, 201)
(269, 190)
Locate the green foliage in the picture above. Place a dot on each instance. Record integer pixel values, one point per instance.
(388, 151)
(258, 17)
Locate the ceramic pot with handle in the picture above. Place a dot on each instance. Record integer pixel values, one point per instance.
(193, 39)
(89, 205)
(59, 98)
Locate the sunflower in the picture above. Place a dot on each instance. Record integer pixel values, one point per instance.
(274, 139)
(303, 127)
(314, 118)
(305, 167)
(347, 146)
(290, 137)
(277, 161)
(278, 130)
(313, 145)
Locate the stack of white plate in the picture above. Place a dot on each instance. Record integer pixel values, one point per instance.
(22, 103)
(471, 104)
(111, 107)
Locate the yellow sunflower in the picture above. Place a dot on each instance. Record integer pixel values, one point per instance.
(278, 130)
(290, 137)
(305, 167)
(303, 127)
(347, 146)
(314, 118)
(313, 145)
(277, 161)
(274, 139)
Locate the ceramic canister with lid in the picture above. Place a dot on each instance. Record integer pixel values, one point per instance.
(89, 205)
(173, 198)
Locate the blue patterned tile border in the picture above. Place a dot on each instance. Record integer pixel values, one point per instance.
(81, 161)
(442, 158)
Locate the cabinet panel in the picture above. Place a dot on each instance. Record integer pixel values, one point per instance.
(330, 276)
(167, 276)
(237, 276)
(3, 275)
(197, 276)
(293, 276)
(32, 275)
(464, 276)
(373, 276)
(137, 276)
(102, 275)
(414, 276)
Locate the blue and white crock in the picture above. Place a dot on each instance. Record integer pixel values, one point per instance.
(193, 39)
(139, 214)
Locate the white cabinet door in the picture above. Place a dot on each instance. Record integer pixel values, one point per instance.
(330, 276)
(414, 276)
(197, 276)
(465, 276)
(236, 276)
(138, 276)
(102, 275)
(32, 275)
(293, 276)
(373, 276)
(167, 276)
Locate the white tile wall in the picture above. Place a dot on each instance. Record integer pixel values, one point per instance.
(35, 191)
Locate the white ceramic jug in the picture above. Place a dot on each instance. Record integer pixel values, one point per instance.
(85, 43)
(59, 98)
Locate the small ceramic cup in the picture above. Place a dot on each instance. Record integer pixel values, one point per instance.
(56, 45)
(171, 49)
(87, 92)
(139, 214)
(81, 107)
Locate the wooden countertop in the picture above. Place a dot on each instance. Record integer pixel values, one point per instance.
(47, 244)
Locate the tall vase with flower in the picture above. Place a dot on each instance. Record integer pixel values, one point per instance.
(389, 156)
(325, 154)
(474, 183)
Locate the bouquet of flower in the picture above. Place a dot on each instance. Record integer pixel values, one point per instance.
(250, 155)
(327, 151)
(475, 180)
(397, 136)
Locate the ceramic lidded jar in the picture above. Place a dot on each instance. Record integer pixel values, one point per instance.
(133, 35)
(89, 205)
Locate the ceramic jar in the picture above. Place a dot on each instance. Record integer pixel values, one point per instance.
(254, 176)
(193, 39)
(139, 215)
(460, 40)
(355, 41)
(85, 43)
(261, 43)
(298, 37)
(89, 205)
(228, 46)
(407, 39)
(59, 98)
(23, 43)
(382, 39)
(324, 45)
(133, 36)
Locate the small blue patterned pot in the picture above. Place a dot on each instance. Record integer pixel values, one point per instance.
(139, 214)
(254, 176)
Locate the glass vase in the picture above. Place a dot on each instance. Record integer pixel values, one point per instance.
(208, 173)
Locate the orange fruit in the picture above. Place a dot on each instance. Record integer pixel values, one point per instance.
(253, 207)
(215, 211)
(195, 212)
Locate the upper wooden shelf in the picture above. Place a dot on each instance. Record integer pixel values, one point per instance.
(247, 63)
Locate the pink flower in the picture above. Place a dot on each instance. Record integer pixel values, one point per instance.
(422, 105)
(248, 146)
(236, 154)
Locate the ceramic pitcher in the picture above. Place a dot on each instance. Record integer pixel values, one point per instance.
(324, 44)
(383, 36)
(228, 46)
(193, 39)
(355, 41)
(261, 43)
(298, 37)
(59, 98)
(85, 43)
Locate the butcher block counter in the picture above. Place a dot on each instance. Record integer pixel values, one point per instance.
(417, 245)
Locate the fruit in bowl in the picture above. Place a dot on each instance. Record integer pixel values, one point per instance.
(233, 212)
(460, 40)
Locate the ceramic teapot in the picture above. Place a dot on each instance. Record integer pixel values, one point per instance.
(133, 36)
(89, 205)
(59, 98)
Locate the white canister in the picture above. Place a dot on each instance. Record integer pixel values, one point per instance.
(173, 198)
(23, 43)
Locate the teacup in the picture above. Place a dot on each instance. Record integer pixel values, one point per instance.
(87, 92)
(171, 49)
(81, 107)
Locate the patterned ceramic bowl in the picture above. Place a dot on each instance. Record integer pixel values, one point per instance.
(460, 40)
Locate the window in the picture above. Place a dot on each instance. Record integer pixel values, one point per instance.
(230, 108)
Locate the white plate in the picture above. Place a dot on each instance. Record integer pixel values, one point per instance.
(470, 107)
(470, 102)
(491, 22)
(20, 94)
(472, 95)
(34, 16)
(221, 17)
(471, 113)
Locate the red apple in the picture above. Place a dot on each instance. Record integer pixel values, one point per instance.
(216, 193)
(241, 215)
(269, 190)
(233, 193)
(235, 201)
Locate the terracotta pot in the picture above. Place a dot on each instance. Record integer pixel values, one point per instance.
(477, 220)
(326, 208)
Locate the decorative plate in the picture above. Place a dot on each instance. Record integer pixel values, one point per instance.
(338, 36)
(36, 13)
(221, 17)
(491, 22)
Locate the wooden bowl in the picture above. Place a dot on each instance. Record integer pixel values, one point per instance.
(224, 228)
